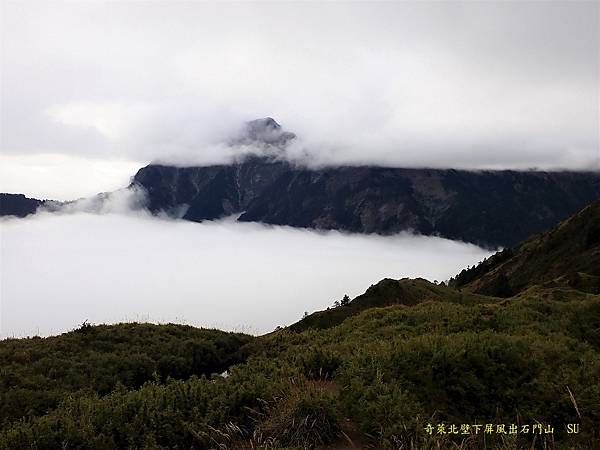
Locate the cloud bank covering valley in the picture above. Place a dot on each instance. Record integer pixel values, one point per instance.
(61, 269)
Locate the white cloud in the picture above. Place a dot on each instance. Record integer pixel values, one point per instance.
(131, 200)
(59, 270)
(63, 176)
(489, 84)
(109, 119)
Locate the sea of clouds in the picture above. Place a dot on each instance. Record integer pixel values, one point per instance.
(61, 269)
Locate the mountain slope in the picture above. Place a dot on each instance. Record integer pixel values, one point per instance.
(35, 378)
(380, 377)
(568, 254)
(387, 292)
(487, 208)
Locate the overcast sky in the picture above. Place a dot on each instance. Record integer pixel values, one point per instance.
(92, 90)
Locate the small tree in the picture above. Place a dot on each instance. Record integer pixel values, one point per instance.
(345, 301)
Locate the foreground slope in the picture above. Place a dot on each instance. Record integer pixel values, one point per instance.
(378, 379)
(36, 374)
(371, 374)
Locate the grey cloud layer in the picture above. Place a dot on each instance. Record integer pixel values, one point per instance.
(468, 84)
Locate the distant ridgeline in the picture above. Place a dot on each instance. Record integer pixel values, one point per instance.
(488, 208)
(18, 205)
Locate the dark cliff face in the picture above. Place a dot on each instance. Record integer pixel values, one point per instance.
(209, 192)
(18, 205)
(487, 208)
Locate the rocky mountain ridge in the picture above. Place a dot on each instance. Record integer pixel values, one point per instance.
(488, 208)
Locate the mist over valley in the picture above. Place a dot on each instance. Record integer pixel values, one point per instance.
(59, 270)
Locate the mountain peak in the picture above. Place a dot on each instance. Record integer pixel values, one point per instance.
(264, 131)
(264, 123)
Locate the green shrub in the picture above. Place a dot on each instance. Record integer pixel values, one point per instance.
(305, 415)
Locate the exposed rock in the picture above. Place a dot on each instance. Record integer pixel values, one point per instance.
(264, 131)
(491, 208)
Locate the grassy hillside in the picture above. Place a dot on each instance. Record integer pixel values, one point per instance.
(387, 292)
(36, 374)
(371, 374)
(568, 254)
(379, 378)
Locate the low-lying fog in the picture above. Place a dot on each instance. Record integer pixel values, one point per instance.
(60, 270)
